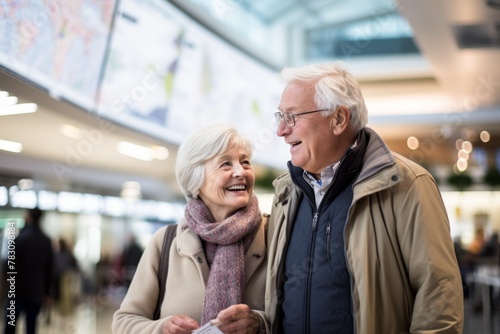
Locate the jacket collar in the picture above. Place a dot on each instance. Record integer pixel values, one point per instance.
(282, 188)
(377, 156)
(349, 167)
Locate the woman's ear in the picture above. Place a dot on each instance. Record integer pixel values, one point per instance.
(340, 120)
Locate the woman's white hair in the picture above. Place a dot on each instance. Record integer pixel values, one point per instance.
(202, 146)
(334, 87)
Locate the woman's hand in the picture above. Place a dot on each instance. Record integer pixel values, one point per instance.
(180, 324)
(239, 319)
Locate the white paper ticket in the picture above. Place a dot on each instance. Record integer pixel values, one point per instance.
(209, 328)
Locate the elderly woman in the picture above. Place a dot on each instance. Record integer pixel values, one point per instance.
(218, 257)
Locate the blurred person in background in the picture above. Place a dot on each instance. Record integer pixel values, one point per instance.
(34, 258)
(490, 249)
(130, 259)
(66, 280)
(471, 257)
(360, 238)
(461, 255)
(477, 243)
(104, 274)
(218, 257)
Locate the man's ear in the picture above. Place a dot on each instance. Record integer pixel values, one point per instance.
(340, 120)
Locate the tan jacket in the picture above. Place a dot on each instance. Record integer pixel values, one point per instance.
(399, 253)
(186, 281)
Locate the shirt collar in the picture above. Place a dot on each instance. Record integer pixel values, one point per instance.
(327, 174)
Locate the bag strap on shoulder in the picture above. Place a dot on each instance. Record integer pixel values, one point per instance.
(163, 267)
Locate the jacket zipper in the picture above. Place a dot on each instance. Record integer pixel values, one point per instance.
(309, 268)
(315, 221)
(327, 246)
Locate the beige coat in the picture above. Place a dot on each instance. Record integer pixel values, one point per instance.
(399, 253)
(186, 281)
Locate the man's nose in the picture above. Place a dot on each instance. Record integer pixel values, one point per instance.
(282, 129)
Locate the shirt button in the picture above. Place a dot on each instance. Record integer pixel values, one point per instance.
(322, 193)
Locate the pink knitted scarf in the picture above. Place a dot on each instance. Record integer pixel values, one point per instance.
(226, 244)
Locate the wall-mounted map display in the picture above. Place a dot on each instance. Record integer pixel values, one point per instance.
(144, 64)
(168, 76)
(58, 45)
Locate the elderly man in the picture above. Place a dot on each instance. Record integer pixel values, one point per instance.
(359, 236)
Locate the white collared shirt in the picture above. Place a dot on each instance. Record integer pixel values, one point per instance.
(321, 186)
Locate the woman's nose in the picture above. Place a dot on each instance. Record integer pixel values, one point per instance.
(239, 171)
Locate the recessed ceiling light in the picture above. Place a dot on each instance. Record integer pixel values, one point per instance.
(485, 136)
(11, 146)
(143, 152)
(412, 143)
(9, 106)
(71, 131)
(135, 151)
(6, 100)
(160, 152)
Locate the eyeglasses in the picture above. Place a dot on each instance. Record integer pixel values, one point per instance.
(290, 118)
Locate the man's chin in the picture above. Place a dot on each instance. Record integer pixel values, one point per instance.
(297, 162)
